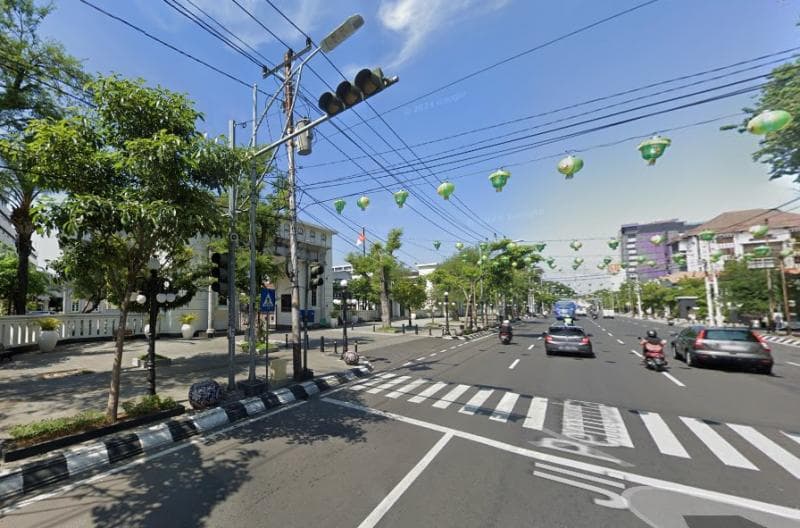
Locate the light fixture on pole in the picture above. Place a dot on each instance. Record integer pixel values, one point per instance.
(446, 314)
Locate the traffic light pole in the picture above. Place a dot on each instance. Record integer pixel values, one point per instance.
(232, 243)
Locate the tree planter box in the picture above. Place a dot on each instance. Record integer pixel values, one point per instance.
(10, 455)
(160, 362)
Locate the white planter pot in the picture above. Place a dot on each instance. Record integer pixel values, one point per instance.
(187, 331)
(48, 340)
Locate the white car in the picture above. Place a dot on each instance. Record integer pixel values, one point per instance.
(580, 311)
(608, 314)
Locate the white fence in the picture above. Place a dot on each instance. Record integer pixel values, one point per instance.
(22, 330)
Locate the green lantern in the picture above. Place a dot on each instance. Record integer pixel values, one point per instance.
(613, 243)
(653, 148)
(716, 255)
(607, 260)
(707, 235)
(577, 261)
(679, 259)
(569, 166)
(484, 246)
(551, 262)
(499, 178)
(445, 190)
(759, 230)
(363, 202)
(459, 246)
(601, 266)
(769, 121)
(437, 245)
(651, 263)
(641, 259)
(657, 240)
(339, 205)
(575, 245)
(400, 197)
(510, 246)
(539, 247)
(788, 252)
(762, 251)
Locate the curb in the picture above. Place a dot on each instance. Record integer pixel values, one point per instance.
(783, 340)
(73, 462)
(474, 335)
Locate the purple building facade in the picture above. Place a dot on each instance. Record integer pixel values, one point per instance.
(641, 258)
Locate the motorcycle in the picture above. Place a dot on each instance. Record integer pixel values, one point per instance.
(505, 334)
(654, 358)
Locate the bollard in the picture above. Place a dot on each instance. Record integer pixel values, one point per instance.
(356, 347)
(335, 347)
(373, 328)
(403, 328)
(322, 344)
(430, 331)
(287, 340)
(416, 329)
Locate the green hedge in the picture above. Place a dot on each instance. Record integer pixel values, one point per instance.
(55, 427)
(147, 405)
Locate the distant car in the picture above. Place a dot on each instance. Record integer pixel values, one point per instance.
(561, 339)
(706, 346)
(580, 310)
(608, 314)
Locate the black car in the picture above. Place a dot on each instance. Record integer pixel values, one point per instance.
(706, 346)
(567, 339)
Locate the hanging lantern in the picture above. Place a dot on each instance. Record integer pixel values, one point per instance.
(613, 243)
(339, 205)
(769, 121)
(641, 259)
(484, 258)
(716, 256)
(762, 251)
(707, 235)
(437, 245)
(459, 246)
(657, 240)
(759, 230)
(499, 178)
(607, 260)
(601, 266)
(577, 261)
(551, 262)
(653, 148)
(445, 190)
(363, 203)
(651, 263)
(510, 246)
(788, 252)
(484, 246)
(539, 247)
(400, 197)
(569, 166)
(575, 245)
(679, 259)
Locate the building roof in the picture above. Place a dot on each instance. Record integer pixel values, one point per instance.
(675, 278)
(740, 221)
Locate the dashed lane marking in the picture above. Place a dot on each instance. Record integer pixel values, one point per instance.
(673, 379)
(530, 347)
(513, 364)
(620, 341)
(636, 352)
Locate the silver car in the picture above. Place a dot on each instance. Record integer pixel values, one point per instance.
(706, 346)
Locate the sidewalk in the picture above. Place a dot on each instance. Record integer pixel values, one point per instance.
(76, 377)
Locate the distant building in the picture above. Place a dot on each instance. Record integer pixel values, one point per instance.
(636, 248)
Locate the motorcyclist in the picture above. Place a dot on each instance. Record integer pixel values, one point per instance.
(652, 346)
(505, 327)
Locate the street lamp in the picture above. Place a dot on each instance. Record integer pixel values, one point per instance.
(446, 313)
(157, 294)
(349, 357)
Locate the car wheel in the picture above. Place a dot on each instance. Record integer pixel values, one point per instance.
(765, 370)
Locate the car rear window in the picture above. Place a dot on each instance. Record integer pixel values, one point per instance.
(562, 331)
(730, 335)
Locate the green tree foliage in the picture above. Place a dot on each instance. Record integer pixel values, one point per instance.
(382, 266)
(38, 281)
(34, 73)
(744, 288)
(410, 293)
(139, 181)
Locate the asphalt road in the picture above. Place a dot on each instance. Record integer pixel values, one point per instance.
(454, 433)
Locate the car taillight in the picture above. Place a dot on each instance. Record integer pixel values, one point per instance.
(585, 341)
(763, 342)
(698, 342)
(549, 339)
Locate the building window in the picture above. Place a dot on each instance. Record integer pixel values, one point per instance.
(314, 297)
(76, 306)
(286, 302)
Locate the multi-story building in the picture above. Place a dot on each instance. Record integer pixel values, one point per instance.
(638, 252)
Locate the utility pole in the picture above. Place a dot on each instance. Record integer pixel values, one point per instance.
(288, 107)
(787, 313)
(210, 311)
(233, 239)
(771, 294)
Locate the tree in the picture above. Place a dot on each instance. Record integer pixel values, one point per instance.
(381, 265)
(744, 288)
(139, 182)
(410, 293)
(9, 264)
(33, 76)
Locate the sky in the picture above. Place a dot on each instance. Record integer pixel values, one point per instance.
(431, 43)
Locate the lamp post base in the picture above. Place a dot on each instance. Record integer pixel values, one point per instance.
(252, 388)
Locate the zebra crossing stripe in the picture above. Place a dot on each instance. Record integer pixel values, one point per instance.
(427, 393)
(388, 384)
(663, 437)
(718, 445)
(536, 413)
(778, 454)
(373, 381)
(406, 389)
(475, 403)
(505, 407)
(450, 397)
(793, 436)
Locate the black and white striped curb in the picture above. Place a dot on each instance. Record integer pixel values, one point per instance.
(97, 455)
(782, 340)
(474, 335)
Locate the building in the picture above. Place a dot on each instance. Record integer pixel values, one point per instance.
(637, 249)
(733, 239)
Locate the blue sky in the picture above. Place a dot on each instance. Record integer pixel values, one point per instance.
(429, 43)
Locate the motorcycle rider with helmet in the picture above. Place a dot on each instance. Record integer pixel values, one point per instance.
(652, 346)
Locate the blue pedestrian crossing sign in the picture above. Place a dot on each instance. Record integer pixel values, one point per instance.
(267, 300)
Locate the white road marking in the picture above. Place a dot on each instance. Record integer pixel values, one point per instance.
(388, 501)
(636, 352)
(445, 401)
(530, 347)
(373, 381)
(505, 407)
(427, 393)
(663, 437)
(775, 509)
(539, 338)
(612, 500)
(475, 403)
(433, 354)
(443, 351)
(595, 424)
(557, 469)
(793, 436)
(536, 413)
(406, 389)
(513, 364)
(610, 334)
(453, 347)
(793, 364)
(389, 384)
(407, 363)
(673, 379)
(778, 454)
(718, 445)
(420, 358)
(620, 341)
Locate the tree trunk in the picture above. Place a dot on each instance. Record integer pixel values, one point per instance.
(21, 218)
(386, 314)
(113, 393)
(409, 315)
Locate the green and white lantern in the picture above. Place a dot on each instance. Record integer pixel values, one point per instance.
(788, 252)
(707, 235)
(511, 246)
(499, 178)
(607, 260)
(759, 230)
(484, 246)
(459, 246)
(363, 202)
(657, 240)
(762, 251)
(339, 205)
(613, 243)
(569, 166)
(769, 121)
(445, 190)
(653, 148)
(577, 261)
(436, 245)
(400, 197)
(651, 263)
(576, 245)
(641, 259)
(539, 247)
(679, 259)
(528, 259)
(716, 255)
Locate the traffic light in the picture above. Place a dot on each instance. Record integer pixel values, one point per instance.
(315, 271)
(366, 84)
(219, 271)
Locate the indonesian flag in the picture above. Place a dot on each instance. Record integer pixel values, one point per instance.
(361, 239)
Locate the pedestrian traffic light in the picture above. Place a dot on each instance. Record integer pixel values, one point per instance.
(219, 270)
(315, 271)
(366, 84)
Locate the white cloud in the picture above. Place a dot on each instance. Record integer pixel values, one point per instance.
(416, 20)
